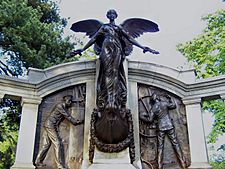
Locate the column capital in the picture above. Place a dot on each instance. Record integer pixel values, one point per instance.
(31, 100)
(222, 96)
(188, 101)
(1, 97)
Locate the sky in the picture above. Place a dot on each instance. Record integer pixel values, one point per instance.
(179, 21)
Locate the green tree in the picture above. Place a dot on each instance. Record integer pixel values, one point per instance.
(31, 35)
(218, 165)
(207, 53)
(9, 120)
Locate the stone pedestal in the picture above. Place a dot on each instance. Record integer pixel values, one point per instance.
(111, 166)
(199, 165)
(111, 160)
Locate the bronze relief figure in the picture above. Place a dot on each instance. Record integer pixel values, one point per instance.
(162, 129)
(165, 127)
(111, 124)
(52, 135)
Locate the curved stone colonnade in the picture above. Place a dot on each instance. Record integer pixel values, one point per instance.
(41, 83)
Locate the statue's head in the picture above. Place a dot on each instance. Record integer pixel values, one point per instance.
(111, 14)
(68, 100)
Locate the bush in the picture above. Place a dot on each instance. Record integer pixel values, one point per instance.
(218, 165)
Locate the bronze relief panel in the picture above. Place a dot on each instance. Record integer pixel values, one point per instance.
(162, 129)
(60, 129)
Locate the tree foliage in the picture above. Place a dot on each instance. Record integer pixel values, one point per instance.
(207, 53)
(217, 107)
(9, 120)
(218, 165)
(31, 35)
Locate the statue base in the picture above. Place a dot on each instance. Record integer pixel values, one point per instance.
(200, 166)
(104, 160)
(109, 119)
(111, 166)
(18, 165)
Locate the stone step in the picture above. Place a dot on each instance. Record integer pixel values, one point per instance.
(111, 166)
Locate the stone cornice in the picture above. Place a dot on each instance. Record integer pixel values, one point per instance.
(16, 87)
(174, 80)
(37, 75)
(43, 82)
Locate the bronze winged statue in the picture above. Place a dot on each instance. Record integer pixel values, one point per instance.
(112, 43)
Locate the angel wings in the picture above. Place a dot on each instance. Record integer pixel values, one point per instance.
(134, 27)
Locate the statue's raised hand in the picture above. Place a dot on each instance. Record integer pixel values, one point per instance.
(147, 49)
(76, 52)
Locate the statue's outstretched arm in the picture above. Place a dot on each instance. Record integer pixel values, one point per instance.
(79, 51)
(134, 42)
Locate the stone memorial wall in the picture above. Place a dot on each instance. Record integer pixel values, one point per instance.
(44, 89)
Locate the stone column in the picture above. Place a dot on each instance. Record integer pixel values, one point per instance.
(133, 106)
(89, 106)
(197, 142)
(25, 145)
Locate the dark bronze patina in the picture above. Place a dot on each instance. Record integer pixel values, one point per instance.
(160, 111)
(155, 124)
(52, 136)
(111, 124)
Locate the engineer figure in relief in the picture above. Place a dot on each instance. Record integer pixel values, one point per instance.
(160, 112)
(52, 135)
